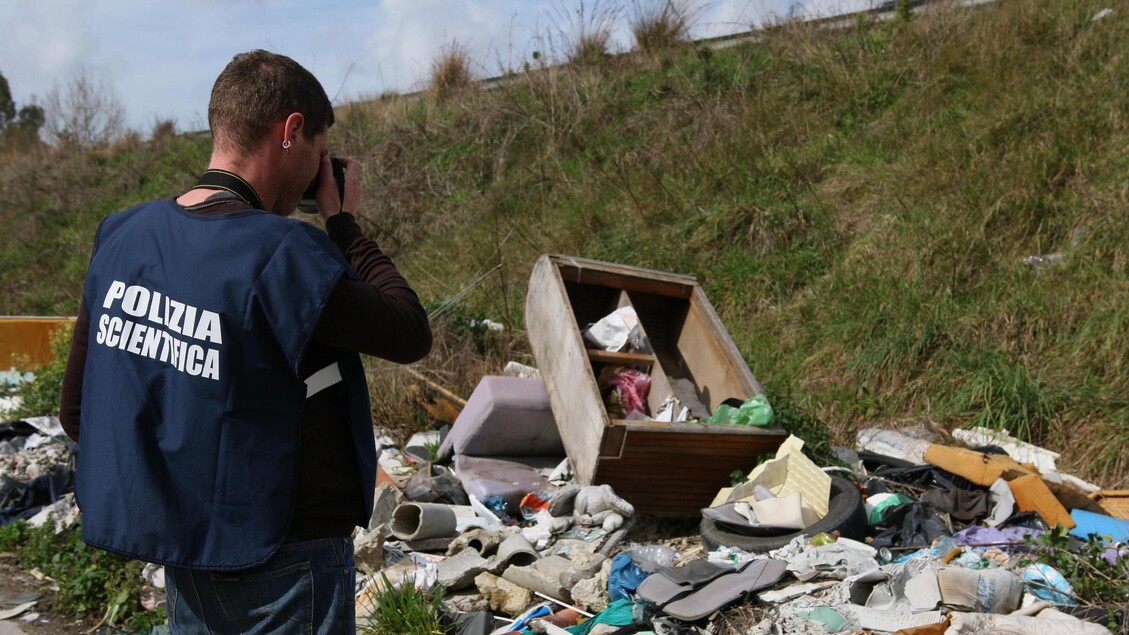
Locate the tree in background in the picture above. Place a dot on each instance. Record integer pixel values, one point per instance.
(17, 126)
(83, 113)
(7, 106)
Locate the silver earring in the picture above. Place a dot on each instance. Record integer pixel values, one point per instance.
(285, 144)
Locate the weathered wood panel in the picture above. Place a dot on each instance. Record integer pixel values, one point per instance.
(563, 361)
(658, 467)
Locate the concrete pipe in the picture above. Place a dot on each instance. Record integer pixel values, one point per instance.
(420, 521)
(516, 550)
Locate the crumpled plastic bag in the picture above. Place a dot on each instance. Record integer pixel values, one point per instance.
(624, 578)
(909, 525)
(632, 385)
(435, 483)
(1047, 622)
(755, 411)
(613, 331)
(1046, 583)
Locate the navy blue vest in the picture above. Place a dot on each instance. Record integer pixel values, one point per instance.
(191, 399)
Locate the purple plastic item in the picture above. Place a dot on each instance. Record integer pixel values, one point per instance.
(511, 479)
(999, 538)
(505, 417)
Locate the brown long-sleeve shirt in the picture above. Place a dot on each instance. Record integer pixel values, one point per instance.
(378, 314)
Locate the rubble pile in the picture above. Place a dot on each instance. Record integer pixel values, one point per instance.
(540, 507)
(886, 543)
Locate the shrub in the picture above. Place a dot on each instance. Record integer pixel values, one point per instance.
(451, 70)
(658, 25)
(91, 581)
(83, 113)
(586, 32)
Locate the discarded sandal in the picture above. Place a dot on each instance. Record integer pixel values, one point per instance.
(726, 589)
(670, 583)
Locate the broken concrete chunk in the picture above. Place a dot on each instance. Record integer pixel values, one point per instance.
(428, 545)
(458, 571)
(514, 550)
(368, 550)
(591, 594)
(543, 576)
(504, 596)
(483, 541)
(385, 501)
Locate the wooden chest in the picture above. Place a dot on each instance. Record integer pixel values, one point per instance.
(667, 468)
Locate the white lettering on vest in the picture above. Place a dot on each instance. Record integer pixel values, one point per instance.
(115, 292)
(177, 314)
(146, 340)
(114, 334)
(152, 341)
(155, 309)
(212, 364)
(103, 326)
(134, 345)
(209, 327)
(136, 300)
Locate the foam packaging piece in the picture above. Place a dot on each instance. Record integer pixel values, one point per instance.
(1091, 523)
(1033, 495)
(505, 416)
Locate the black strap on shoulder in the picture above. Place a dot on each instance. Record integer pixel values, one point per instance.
(230, 182)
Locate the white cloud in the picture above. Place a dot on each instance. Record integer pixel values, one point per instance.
(161, 57)
(44, 43)
(409, 33)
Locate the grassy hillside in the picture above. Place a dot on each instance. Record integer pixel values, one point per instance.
(861, 206)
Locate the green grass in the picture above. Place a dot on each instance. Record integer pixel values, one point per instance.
(405, 610)
(92, 582)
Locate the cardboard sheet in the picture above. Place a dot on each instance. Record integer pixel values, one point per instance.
(789, 472)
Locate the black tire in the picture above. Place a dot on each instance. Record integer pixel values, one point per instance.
(846, 513)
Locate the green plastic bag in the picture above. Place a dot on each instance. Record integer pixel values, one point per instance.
(754, 412)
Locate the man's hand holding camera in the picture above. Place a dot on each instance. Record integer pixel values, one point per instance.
(329, 202)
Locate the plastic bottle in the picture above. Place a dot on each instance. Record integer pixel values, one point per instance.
(651, 558)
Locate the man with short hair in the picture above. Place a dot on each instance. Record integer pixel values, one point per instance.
(225, 421)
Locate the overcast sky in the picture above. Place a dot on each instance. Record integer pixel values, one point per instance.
(160, 57)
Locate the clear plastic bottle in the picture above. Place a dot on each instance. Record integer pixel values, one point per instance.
(651, 558)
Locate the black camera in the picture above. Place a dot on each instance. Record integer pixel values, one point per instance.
(309, 203)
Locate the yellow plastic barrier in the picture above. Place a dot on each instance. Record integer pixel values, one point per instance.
(25, 342)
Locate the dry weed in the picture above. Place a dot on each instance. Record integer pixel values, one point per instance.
(585, 30)
(461, 356)
(658, 25)
(451, 70)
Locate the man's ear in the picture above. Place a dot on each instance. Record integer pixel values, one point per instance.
(293, 126)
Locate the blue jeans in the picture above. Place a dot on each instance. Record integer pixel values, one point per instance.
(306, 587)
